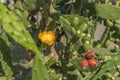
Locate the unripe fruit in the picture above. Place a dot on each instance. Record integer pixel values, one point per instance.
(116, 48)
(83, 27)
(109, 75)
(109, 23)
(117, 21)
(78, 31)
(84, 64)
(47, 37)
(86, 45)
(83, 34)
(93, 62)
(76, 21)
(107, 43)
(86, 37)
(117, 40)
(90, 54)
(89, 35)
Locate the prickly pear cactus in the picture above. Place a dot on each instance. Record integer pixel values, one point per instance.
(17, 31)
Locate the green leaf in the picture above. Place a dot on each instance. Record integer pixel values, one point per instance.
(39, 70)
(6, 67)
(23, 17)
(70, 31)
(71, 68)
(76, 63)
(5, 38)
(15, 28)
(104, 11)
(5, 51)
(7, 70)
(107, 11)
(12, 25)
(103, 51)
(76, 21)
(29, 4)
(74, 75)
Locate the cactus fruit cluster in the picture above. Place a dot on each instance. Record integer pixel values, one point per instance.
(89, 60)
